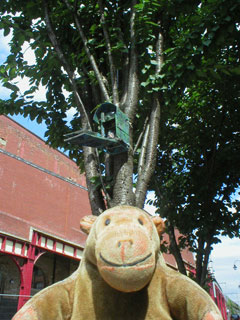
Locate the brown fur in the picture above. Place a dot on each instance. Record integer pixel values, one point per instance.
(123, 249)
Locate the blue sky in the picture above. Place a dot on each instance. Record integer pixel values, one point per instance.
(223, 256)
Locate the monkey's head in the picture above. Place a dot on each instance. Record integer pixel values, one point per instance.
(123, 243)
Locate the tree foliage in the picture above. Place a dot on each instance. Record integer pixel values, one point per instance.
(175, 59)
(196, 173)
(95, 51)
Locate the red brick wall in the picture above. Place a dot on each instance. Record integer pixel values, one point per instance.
(31, 197)
(25, 144)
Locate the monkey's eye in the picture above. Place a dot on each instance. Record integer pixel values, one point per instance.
(107, 222)
(140, 221)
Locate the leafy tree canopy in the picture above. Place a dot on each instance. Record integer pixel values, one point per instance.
(175, 59)
(197, 173)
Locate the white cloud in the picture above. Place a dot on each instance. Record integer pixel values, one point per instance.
(5, 49)
(28, 54)
(149, 207)
(22, 83)
(70, 113)
(223, 257)
(229, 248)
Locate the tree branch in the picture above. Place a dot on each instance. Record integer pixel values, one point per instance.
(124, 86)
(159, 53)
(125, 65)
(90, 56)
(63, 60)
(151, 153)
(133, 81)
(140, 136)
(199, 259)
(113, 72)
(123, 173)
(142, 157)
(207, 252)
(90, 155)
(175, 249)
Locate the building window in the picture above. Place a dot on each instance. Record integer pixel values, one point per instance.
(38, 280)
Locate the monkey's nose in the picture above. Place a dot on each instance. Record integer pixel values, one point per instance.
(125, 246)
(124, 243)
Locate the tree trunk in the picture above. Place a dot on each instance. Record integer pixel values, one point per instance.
(123, 181)
(174, 248)
(94, 191)
(205, 262)
(199, 259)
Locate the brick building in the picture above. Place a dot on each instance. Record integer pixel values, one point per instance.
(42, 199)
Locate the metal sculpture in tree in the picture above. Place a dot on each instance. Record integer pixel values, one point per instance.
(114, 126)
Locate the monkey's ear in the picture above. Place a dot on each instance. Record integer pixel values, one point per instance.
(86, 223)
(159, 223)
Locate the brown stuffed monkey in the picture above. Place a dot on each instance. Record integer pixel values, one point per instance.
(122, 276)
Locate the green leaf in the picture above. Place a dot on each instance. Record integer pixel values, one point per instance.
(236, 70)
(154, 62)
(10, 86)
(207, 42)
(228, 18)
(39, 119)
(6, 31)
(153, 23)
(144, 84)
